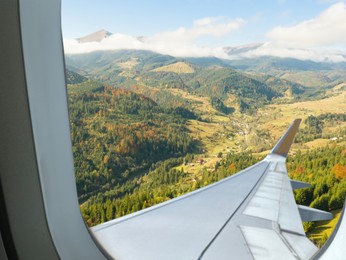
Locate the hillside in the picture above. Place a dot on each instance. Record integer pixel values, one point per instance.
(178, 67)
(117, 134)
(74, 78)
(121, 133)
(323, 78)
(209, 77)
(104, 61)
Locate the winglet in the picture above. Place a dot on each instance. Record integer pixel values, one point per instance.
(283, 146)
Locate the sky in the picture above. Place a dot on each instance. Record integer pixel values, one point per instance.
(305, 29)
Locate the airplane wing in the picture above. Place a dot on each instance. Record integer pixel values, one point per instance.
(250, 215)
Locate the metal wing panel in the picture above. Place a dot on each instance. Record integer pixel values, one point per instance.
(274, 200)
(303, 247)
(180, 228)
(268, 223)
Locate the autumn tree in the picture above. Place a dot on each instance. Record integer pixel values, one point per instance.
(339, 171)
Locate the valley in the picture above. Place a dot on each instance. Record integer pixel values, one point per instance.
(148, 127)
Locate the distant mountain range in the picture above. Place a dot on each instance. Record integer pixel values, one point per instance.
(263, 64)
(209, 77)
(274, 66)
(235, 51)
(241, 56)
(250, 82)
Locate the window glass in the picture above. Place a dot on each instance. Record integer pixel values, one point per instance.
(169, 96)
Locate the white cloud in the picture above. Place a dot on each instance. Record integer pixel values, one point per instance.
(180, 42)
(270, 49)
(319, 39)
(328, 29)
(114, 42)
(215, 26)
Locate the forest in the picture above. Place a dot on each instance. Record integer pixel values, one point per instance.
(118, 134)
(323, 168)
(163, 182)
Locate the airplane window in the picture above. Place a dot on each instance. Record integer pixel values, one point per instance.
(166, 97)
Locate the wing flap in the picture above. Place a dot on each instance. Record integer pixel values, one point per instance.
(301, 245)
(311, 214)
(274, 201)
(266, 244)
(299, 184)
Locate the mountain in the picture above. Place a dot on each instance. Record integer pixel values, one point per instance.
(95, 37)
(316, 79)
(208, 77)
(236, 50)
(106, 60)
(209, 62)
(236, 57)
(244, 84)
(74, 78)
(270, 64)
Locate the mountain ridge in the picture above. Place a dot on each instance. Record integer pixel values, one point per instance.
(97, 36)
(209, 77)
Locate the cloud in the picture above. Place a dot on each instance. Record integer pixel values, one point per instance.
(328, 29)
(208, 26)
(319, 39)
(114, 42)
(179, 42)
(270, 49)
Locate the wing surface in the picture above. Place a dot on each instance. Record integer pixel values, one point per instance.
(250, 215)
